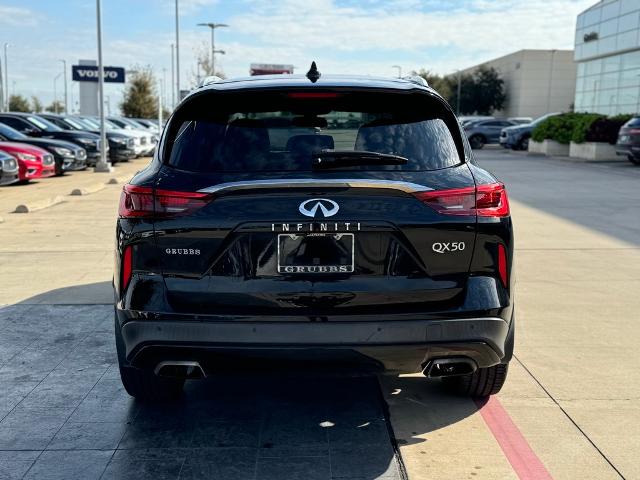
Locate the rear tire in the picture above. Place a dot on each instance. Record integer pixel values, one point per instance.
(634, 160)
(143, 384)
(523, 144)
(477, 142)
(482, 383)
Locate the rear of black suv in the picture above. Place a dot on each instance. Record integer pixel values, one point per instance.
(342, 220)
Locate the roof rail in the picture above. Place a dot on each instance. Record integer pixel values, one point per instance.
(417, 79)
(209, 80)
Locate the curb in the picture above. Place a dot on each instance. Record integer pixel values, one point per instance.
(38, 204)
(96, 187)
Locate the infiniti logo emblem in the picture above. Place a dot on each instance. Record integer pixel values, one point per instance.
(310, 207)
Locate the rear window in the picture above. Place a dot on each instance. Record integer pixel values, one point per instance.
(633, 123)
(257, 137)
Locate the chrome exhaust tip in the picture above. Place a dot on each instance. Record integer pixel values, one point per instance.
(189, 370)
(449, 367)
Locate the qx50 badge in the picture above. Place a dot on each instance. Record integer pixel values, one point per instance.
(310, 207)
(444, 247)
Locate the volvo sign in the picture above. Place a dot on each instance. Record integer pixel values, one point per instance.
(89, 73)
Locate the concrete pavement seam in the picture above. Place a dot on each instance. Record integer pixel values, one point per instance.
(566, 414)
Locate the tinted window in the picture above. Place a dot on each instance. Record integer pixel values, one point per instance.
(16, 123)
(285, 140)
(11, 134)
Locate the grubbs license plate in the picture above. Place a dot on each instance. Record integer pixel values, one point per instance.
(315, 253)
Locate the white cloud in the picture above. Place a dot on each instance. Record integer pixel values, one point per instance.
(17, 16)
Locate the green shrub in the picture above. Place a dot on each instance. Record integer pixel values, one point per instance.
(558, 128)
(583, 124)
(580, 128)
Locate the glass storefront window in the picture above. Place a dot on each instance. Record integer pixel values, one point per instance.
(628, 22)
(610, 27)
(610, 10)
(627, 40)
(593, 67)
(627, 6)
(630, 60)
(630, 78)
(611, 64)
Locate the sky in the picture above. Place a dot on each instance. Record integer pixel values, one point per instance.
(343, 36)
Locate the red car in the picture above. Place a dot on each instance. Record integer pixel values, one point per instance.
(33, 162)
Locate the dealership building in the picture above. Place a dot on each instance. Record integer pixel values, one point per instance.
(607, 49)
(536, 81)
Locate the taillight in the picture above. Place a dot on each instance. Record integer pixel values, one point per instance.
(127, 261)
(502, 263)
(146, 202)
(484, 200)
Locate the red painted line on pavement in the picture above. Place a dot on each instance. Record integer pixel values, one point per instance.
(521, 456)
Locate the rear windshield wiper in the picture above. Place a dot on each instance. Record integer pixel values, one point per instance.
(352, 158)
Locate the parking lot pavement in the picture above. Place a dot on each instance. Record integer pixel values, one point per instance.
(39, 189)
(569, 406)
(65, 414)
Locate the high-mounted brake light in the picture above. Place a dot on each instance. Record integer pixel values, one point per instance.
(302, 95)
(146, 202)
(488, 200)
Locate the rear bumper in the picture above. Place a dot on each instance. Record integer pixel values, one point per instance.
(402, 346)
(628, 150)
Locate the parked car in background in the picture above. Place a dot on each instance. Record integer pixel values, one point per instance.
(517, 137)
(150, 124)
(628, 143)
(465, 119)
(68, 156)
(33, 162)
(120, 148)
(148, 140)
(482, 132)
(520, 120)
(8, 169)
(38, 127)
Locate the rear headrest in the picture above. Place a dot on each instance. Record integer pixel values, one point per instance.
(305, 145)
(244, 139)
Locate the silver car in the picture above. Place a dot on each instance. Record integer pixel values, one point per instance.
(482, 132)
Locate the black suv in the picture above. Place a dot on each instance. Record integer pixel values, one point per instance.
(628, 143)
(316, 219)
(35, 126)
(120, 144)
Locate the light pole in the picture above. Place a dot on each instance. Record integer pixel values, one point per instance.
(399, 70)
(55, 92)
(6, 77)
(459, 92)
(177, 54)
(64, 63)
(1, 89)
(213, 27)
(102, 165)
(173, 80)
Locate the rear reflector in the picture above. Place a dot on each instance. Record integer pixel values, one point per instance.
(502, 263)
(488, 200)
(146, 202)
(126, 267)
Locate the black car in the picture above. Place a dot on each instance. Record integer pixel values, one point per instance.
(68, 156)
(8, 169)
(628, 143)
(383, 243)
(120, 144)
(36, 126)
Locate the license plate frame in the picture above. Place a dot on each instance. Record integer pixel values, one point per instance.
(347, 239)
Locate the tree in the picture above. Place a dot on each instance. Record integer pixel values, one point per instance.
(36, 105)
(442, 85)
(468, 93)
(56, 107)
(18, 103)
(140, 100)
(489, 91)
(203, 70)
